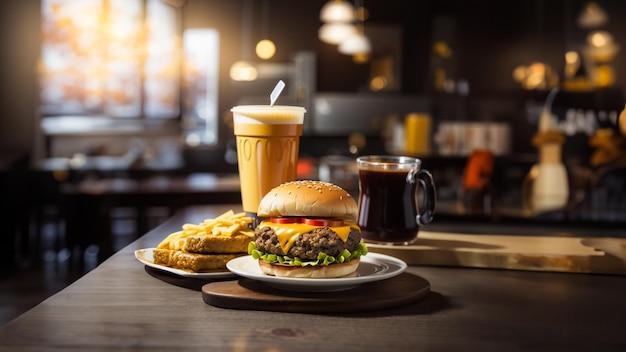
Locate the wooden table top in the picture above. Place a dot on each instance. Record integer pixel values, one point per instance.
(119, 305)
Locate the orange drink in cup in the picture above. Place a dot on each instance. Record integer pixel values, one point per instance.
(268, 139)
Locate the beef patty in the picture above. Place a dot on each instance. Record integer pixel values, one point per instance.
(309, 245)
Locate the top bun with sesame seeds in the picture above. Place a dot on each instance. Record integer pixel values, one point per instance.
(308, 231)
(308, 198)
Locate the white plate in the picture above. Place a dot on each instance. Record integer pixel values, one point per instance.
(146, 256)
(373, 267)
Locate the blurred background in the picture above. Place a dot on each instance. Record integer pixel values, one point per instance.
(116, 113)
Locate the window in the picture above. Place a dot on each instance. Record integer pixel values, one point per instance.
(115, 58)
(200, 85)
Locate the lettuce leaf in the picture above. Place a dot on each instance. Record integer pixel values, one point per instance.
(322, 258)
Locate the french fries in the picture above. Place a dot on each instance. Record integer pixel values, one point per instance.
(228, 224)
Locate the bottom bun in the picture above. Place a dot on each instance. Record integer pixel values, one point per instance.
(319, 272)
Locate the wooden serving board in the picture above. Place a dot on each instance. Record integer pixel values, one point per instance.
(564, 254)
(251, 294)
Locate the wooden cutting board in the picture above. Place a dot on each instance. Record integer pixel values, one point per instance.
(543, 253)
(251, 294)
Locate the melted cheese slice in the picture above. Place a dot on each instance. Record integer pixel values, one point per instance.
(288, 233)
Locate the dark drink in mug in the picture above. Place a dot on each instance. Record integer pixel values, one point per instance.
(388, 205)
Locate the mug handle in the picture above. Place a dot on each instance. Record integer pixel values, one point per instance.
(427, 211)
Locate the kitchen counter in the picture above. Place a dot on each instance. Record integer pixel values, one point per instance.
(120, 305)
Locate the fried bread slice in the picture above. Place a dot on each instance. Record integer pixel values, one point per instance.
(216, 244)
(194, 262)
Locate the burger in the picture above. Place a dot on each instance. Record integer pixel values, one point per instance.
(308, 231)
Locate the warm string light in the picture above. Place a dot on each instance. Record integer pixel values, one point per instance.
(243, 70)
(265, 48)
(600, 48)
(538, 75)
(357, 43)
(337, 11)
(335, 33)
(340, 29)
(592, 16)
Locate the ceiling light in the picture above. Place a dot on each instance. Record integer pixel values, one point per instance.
(592, 16)
(599, 39)
(243, 71)
(601, 47)
(265, 49)
(358, 43)
(337, 11)
(335, 33)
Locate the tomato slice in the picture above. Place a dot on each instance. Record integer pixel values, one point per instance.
(286, 220)
(328, 222)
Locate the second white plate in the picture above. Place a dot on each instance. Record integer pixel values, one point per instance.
(146, 256)
(373, 267)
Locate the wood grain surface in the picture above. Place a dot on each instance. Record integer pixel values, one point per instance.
(543, 253)
(119, 306)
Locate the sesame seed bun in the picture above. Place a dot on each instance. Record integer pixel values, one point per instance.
(308, 198)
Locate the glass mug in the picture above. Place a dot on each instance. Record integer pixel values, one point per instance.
(388, 198)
